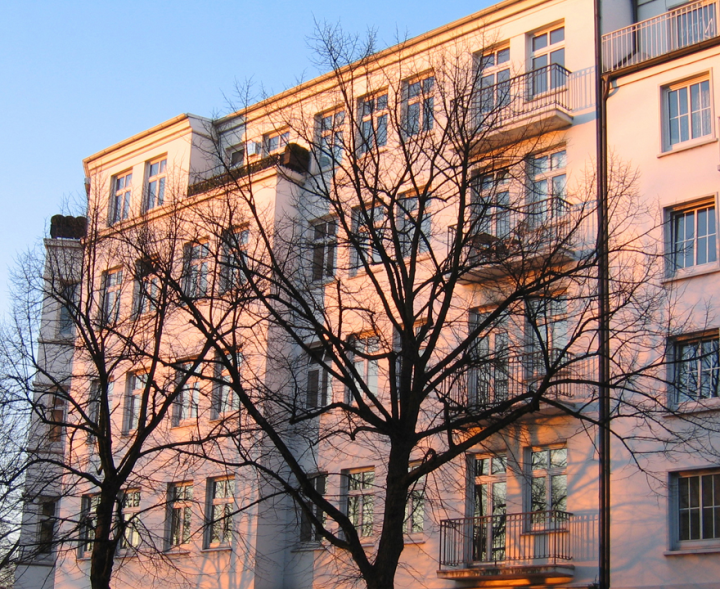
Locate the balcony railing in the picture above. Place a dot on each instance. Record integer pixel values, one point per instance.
(539, 537)
(651, 38)
(505, 378)
(508, 101)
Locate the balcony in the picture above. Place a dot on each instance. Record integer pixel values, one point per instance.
(525, 106)
(523, 548)
(507, 238)
(667, 33)
(504, 378)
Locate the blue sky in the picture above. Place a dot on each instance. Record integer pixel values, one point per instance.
(78, 76)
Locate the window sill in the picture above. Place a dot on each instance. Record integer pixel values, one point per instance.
(689, 551)
(702, 406)
(688, 145)
(178, 552)
(417, 538)
(308, 546)
(692, 272)
(223, 548)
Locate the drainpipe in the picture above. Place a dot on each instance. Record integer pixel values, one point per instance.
(603, 442)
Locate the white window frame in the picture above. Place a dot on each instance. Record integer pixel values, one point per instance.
(330, 143)
(155, 184)
(234, 258)
(359, 495)
(696, 368)
(112, 291)
(550, 316)
(68, 299)
(493, 79)
(547, 48)
(308, 532)
(695, 125)
(491, 210)
(368, 369)
(318, 390)
(197, 269)
(324, 249)
(415, 506)
(406, 224)
(698, 250)
(130, 506)
(46, 525)
(549, 465)
(692, 516)
(120, 197)
(419, 105)
(547, 194)
(220, 508)
(225, 400)
(147, 294)
(135, 387)
(274, 142)
(180, 503)
(368, 236)
(88, 521)
(373, 120)
(186, 406)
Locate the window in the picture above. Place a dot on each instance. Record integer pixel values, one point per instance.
(547, 334)
(88, 518)
(323, 249)
(274, 142)
(490, 212)
(548, 60)
(68, 302)
(369, 228)
(492, 375)
(233, 259)
(136, 385)
(180, 496)
(147, 295)
(308, 532)
(698, 506)
(155, 191)
(373, 121)
(547, 196)
(548, 484)
(185, 407)
(697, 366)
(93, 407)
(419, 106)
(46, 526)
(490, 507)
(330, 138)
(319, 381)
(56, 419)
(494, 74)
(366, 365)
(111, 296)
(415, 506)
(687, 112)
(694, 236)
(225, 399)
(197, 260)
(237, 155)
(410, 224)
(130, 504)
(120, 200)
(221, 497)
(360, 499)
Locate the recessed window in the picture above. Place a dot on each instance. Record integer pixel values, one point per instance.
(274, 142)
(419, 105)
(197, 268)
(46, 526)
(365, 362)
(233, 259)
(687, 112)
(185, 407)
(548, 484)
(489, 506)
(68, 299)
(120, 198)
(373, 118)
(130, 504)
(415, 506)
(546, 334)
(697, 367)
(225, 399)
(308, 529)
(155, 187)
(111, 296)
(319, 381)
(697, 508)
(180, 497)
(88, 522)
(221, 505)
(693, 236)
(330, 138)
(413, 228)
(369, 226)
(136, 385)
(324, 244)
(360, 499)
(147, 294)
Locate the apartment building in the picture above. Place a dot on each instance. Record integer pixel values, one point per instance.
(457, 169)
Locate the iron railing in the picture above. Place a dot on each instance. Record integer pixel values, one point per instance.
(682, 27)
(523, 95)
(505, 377)
(519, 538)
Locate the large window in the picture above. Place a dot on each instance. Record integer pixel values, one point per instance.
(366, 365)
(111, 296)
(221, 501)
(419, 105)
(120, 198)
(369, 227)
(687, 112)
(548, 60)
(136, 384)
(180, 496)
(698, 506)
(225, 399)
(308, 531)
(547, 195)
(130, 503)
(185, 407)
(490, 507)
(88, 523)
(697, 366)
(155, 187)
(494, 75)
(330, 138)
(693, 236)
(360, 499)
(234, 259)
(490, 212)
(411, 225)
(548, 483)
(373, 115)
(46, 525)
(324, 244)
(492, 374)
(147, 295)
(546, 334)
(197, 268)
(319, 382)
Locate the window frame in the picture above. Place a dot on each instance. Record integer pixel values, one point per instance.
(88, 517)
(233, 258)
(666, 93)
(406, 223)
(147, 288)
(179, 515)
(318, 382)
(198, 258)
(418, 104)
(186, 406)
(112, 295)
(537, 520)
(274, 142)
(226, 502)
(330, 128)
(359, 499)
(130, 504)
(373, 116)
(224, 399)
(549, 205)
(672, 214)
(493, 69)
(155, 193)
(544, 80)
(677, 543)
(679, 398)
(414, 524)
(324, 249)
(367, 368)
(489, 500)
(46, 524)
(133, 400)
(120, 197)
(308, 532)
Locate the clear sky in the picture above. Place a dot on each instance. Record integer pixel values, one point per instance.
(81, 75)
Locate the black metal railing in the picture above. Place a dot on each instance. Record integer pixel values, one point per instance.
(676, 29)
(518, 538)
(504, 378)
(523, 95)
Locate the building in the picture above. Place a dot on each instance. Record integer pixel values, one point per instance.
(463, 156)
